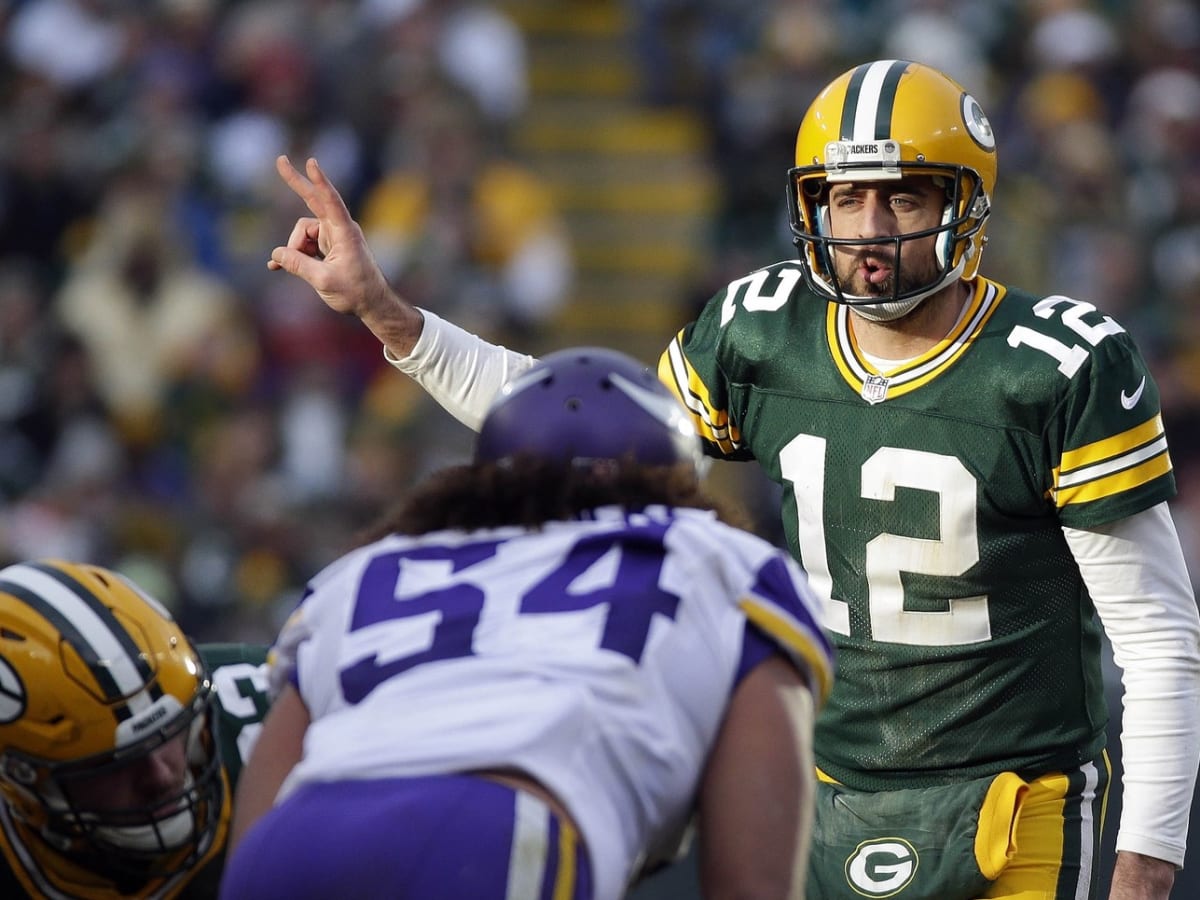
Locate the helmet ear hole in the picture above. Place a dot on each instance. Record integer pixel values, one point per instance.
(19, 771)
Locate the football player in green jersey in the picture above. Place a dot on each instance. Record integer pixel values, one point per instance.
(120, 742)
(975, 478)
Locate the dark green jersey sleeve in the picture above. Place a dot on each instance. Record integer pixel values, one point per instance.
(712, 361)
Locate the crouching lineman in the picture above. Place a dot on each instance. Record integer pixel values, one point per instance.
(120, 742)
(548, 663)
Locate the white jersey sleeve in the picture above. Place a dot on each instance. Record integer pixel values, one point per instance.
(1136, 574)
(598, 656)
(458, 369)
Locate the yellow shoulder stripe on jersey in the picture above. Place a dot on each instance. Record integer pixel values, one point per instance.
(684, 382)
(856, 369)
(1110, 466)
(799, 641)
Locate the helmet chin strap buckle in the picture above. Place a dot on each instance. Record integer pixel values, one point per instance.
(862, 161)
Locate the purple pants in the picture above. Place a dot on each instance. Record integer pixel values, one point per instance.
(445, 837)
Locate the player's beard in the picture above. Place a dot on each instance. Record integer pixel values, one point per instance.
(911, 276)
(911, 279)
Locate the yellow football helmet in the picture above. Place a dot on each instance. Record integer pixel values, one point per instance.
(94, 677)
(881, 121)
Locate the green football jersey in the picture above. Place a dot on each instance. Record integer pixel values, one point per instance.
(927, 505)
(239, 676)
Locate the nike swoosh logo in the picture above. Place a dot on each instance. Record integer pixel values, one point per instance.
(1129, 401)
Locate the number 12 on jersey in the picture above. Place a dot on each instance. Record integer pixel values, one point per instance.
(965, 620)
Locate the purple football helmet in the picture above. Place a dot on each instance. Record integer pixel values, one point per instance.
(588, 403)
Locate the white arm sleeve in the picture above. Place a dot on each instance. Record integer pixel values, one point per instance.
(460, 370)
(1137, 576)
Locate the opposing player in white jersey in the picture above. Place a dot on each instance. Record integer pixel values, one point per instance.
(548, 665)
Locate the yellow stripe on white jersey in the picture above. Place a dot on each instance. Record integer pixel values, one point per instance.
(797, 639)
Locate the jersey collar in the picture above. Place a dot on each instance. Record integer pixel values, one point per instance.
(875, 386)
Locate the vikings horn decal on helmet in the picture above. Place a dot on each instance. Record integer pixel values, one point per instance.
(586, 404)
(94, 677)
(882, 121)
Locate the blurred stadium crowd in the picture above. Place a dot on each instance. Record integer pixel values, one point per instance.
(171, 409)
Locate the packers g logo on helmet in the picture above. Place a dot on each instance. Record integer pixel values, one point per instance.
(977, 123)
(887, 120)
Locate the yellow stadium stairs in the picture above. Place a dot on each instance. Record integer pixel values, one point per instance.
(632, 179)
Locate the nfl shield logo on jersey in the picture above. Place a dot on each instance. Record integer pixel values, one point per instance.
(874, 389)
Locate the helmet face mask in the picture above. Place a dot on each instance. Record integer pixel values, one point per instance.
(879, 123)
(107, 686)
(144, 837)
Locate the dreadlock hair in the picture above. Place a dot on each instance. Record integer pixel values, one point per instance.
(529, 491)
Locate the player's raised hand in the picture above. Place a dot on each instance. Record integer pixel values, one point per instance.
(328, 249)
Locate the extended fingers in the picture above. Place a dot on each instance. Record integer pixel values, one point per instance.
(335, 207)
(317, 191)
(293, 179)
